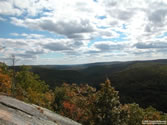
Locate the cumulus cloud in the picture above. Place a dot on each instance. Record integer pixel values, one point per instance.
(109, 46)
(71, 28)
(158, 17)
(7, 8)
(151, 45)
(33, 48)
(30, 36)
(104, 28)
(56, 46)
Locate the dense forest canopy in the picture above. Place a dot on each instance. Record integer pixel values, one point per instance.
(128, 99)
(142, 82)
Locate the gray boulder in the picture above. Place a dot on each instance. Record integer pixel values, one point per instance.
(16, 112)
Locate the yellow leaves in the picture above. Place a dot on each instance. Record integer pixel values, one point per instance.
(48, 99)
(49, 96)
(39, 98)
(5, 83)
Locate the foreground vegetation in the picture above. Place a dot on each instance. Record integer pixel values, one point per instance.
(82, 103)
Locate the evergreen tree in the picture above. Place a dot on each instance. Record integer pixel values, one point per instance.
(107, 106)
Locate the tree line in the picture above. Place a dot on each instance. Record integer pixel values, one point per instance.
(82, 103)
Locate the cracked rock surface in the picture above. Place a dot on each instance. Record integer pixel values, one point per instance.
(15, 112)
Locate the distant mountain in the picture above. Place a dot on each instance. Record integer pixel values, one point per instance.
(83, 66)
(92, 73)
(84, 73)
(75, 67)
(143, 82)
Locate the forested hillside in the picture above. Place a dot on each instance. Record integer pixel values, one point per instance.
(137, 92)
(145, 84)
(142, 82)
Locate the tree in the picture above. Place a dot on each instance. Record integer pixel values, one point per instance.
(60, 97)
(31, 89)
(107, 106)
(5, 83)
(151, 113)
(71, 100)
(14, 74)
(131, 114)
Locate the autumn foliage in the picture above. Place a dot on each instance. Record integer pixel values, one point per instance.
(31, 89)
(81, 103)
(73, 99)
(5, 82)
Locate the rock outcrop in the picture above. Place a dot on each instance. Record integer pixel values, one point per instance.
(15, 112)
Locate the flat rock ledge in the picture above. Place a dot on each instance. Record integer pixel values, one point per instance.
(16, 112)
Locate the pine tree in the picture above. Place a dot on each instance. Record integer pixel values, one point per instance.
(107, 106)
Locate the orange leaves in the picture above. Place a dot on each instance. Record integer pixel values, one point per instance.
(68, 106)
(71, 101)
(69, 109)
(5, 83)
(73, 111)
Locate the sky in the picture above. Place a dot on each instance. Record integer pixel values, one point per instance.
(40, 32)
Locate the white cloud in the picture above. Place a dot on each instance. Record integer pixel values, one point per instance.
(69, 28)
(7, 8)
(30, 36)
(151, 45)
(33, 48)
(141, 22)
(108, 46)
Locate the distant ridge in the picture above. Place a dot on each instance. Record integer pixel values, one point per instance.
(83, 66)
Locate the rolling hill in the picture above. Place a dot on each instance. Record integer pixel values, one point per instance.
(142, 82)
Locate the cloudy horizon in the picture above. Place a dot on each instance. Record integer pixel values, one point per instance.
(77, 32)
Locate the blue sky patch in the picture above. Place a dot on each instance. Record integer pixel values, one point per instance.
(101, 17)
(52, 55)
